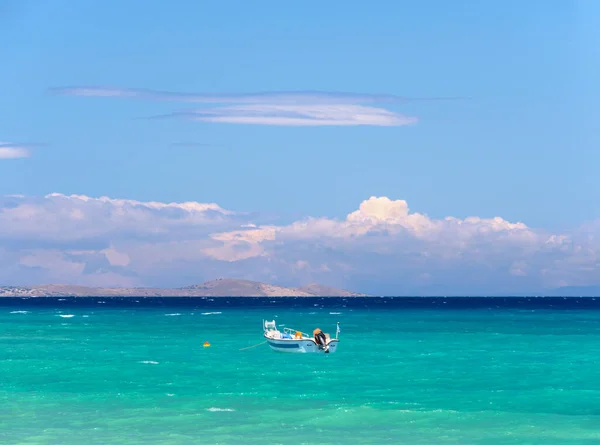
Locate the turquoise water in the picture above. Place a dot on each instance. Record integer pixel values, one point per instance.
(125, 375)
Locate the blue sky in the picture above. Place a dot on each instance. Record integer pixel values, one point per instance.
(519, 142)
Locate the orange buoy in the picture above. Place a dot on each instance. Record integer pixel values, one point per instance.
(206, 344)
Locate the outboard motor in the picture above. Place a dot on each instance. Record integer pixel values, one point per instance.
(321, 340)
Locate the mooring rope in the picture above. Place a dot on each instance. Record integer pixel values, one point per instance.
(254, 346)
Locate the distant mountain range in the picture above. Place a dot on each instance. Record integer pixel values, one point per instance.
(225, 287)
(229, 287)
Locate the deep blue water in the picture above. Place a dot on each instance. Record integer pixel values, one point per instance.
(454, 303)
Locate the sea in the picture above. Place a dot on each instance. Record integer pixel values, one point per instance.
(434, 371)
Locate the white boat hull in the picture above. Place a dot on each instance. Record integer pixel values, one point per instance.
(304, 345)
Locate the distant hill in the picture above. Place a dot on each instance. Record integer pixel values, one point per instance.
(325, 291)
(225, 287)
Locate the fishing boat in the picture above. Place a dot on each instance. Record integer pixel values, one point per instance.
(291, 340)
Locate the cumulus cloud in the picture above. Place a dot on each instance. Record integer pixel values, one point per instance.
(381, 247)
(58, 218)
(289, 108)
(13, 151)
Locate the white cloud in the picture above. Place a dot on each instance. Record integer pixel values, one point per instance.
(380, 222)
(383, 240)
(289, 108)
(299, 115)
(271, 97)
(58, 217)
(380, 247)
(13, 151)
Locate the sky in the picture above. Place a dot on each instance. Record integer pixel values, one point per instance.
(392, 147)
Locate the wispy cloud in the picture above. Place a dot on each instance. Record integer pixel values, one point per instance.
(280, 108)
(297, 115)
(13, 151)
(274, 97)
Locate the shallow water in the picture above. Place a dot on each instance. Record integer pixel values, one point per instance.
(76, 372)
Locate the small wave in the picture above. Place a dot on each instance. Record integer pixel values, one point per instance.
(211, 313)
(62, 299)
(149, 362)
(335, 313)
(85, 316)
(171, 315)
(427, 411)
(214, 410)
(19, 312)
(66, 315)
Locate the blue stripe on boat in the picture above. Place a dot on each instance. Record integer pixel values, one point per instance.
(284, 345)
